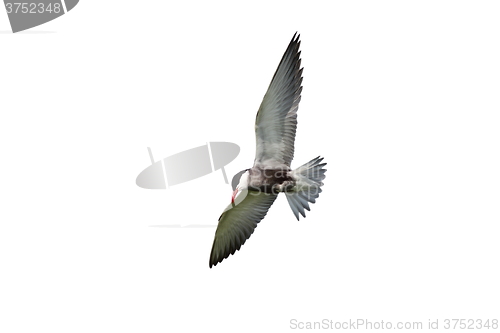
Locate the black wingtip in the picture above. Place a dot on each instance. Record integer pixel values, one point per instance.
(212, 262)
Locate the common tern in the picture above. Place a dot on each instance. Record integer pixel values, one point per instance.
(255, 189)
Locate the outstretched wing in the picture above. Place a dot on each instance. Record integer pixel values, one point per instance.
(238, 222)
(276, 120)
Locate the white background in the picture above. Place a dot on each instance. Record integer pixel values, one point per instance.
(401, 98)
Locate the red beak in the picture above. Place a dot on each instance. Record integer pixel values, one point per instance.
(234, 195)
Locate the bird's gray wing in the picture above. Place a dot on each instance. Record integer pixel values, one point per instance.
(276, 120)
(238, 222)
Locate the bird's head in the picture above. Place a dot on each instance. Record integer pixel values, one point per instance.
(240, 182)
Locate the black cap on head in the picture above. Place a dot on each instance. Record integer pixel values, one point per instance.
(236, 179)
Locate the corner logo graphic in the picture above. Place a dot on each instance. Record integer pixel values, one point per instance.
(28, 14)
(188, 165)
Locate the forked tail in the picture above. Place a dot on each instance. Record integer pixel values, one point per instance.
(309, 179)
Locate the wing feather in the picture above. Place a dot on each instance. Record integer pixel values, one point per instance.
(276, 121)
(237, 223)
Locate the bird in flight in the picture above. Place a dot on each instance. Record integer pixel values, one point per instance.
(255, 189)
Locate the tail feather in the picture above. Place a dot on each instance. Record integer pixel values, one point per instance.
(308, 179)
